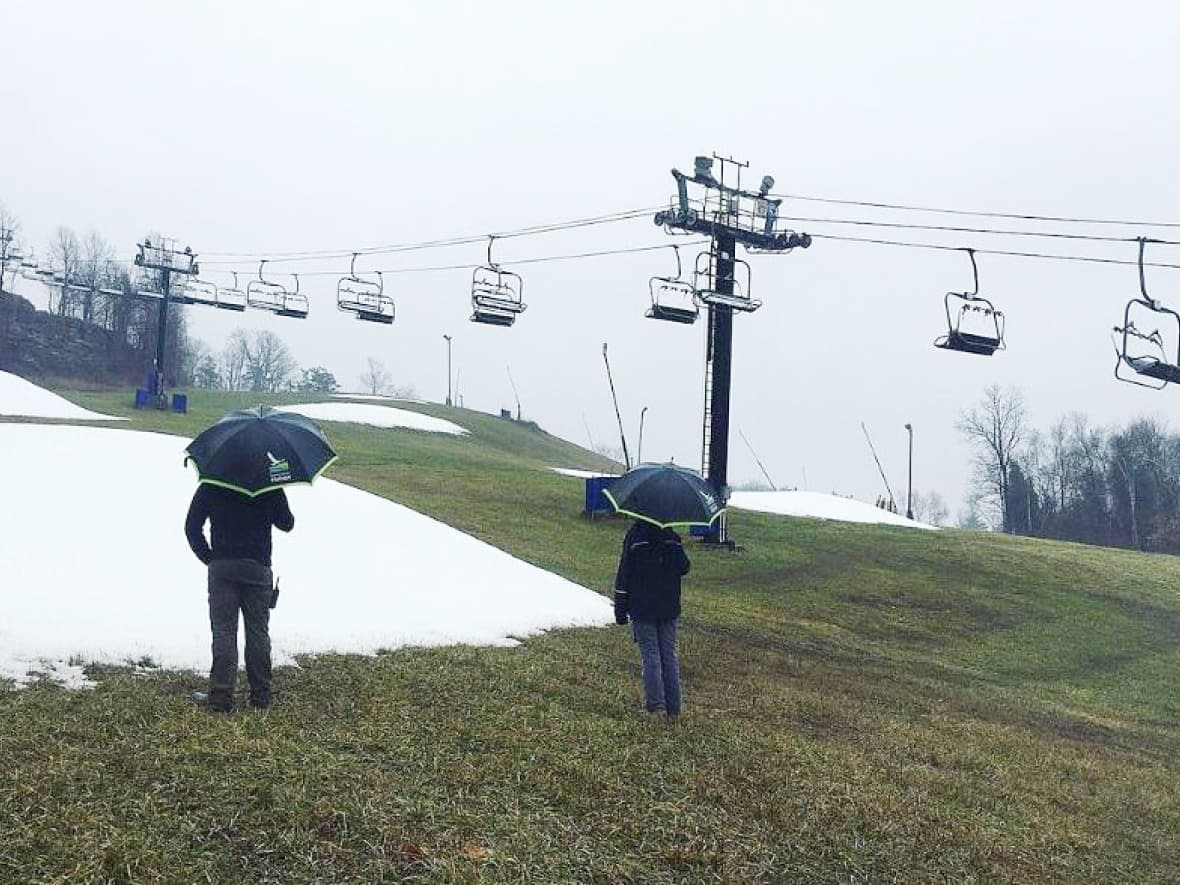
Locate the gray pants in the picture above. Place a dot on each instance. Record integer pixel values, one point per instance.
(661, 667)
(239, 585)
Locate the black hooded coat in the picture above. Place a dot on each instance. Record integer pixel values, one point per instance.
(647, 583)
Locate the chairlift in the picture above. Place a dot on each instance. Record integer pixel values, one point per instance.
(262, 294)
(495, 293)
(199, 292)
(364, 298)
(231, 297)
(181, 294)
(672, 298)
(28, 268)
(1144, 352)
(706, 278)
(294, 303)
(109, 291)
(976, 326)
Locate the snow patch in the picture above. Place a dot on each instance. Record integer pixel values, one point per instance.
(98, 570)
(819, 506)
(377, 416)
(24, 399)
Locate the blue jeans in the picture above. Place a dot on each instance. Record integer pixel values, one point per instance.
(661, 669)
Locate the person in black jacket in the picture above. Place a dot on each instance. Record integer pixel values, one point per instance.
(647, 589)
(239, 581)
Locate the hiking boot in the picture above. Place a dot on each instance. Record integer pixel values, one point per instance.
(201, 699)
(260, 702)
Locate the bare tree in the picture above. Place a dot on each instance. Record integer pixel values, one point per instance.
(929, 508)
(233, 360)
(94, 272)
(65, 256)
(10, 242)
(269, 363)
(1136, 454)
(996, 429)
(376, 377)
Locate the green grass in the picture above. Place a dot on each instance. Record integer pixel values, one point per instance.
(863, 704)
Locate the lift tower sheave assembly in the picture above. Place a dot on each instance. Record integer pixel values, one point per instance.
(164, 257)
(705, 204)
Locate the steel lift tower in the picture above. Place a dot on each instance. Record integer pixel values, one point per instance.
(727, 214)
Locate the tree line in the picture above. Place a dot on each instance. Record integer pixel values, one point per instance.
(1115, 486)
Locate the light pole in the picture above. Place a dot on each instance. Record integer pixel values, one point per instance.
(639, 453)
(909, 498)
(448, 337)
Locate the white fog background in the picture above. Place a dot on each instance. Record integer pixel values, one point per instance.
(280, 127)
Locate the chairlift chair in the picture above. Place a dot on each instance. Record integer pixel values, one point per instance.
(294, 303)
(364, 298)
(231, 297)
(181, 294)
(1145, 353)
(495, 293)
(975, 326)
(200, 292)
(705, 279)
(672, 298)
(262, 294)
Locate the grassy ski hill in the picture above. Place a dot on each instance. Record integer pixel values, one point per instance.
(862, 704)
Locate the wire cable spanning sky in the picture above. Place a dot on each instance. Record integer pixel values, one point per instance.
(245, 262)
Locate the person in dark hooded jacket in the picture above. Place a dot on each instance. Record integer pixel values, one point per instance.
(647, 590)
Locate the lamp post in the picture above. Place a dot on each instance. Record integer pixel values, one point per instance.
(448, 337)
(909, 498)
(639, 453)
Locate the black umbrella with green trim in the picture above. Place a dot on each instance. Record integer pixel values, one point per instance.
(666, 495)
(253, 451)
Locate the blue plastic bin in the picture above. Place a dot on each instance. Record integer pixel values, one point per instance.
(143, 398)
(596, 502)
(180, 402)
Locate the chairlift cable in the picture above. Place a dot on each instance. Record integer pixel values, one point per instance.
(515, 262)
(1057, 235)
(311, 255)
(978, 213)
(1008, 252)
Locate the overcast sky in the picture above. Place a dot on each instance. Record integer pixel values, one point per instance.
(256, 127)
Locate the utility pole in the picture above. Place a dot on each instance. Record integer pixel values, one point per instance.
(448, 337)
(167, 259)
(639, 449)
(728, 215)
(909, 498)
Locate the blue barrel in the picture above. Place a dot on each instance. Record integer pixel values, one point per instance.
(596, 502)
(143, 398)
(180, 402)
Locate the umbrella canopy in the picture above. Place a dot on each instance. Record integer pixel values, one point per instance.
(253, 451)
(666, 495)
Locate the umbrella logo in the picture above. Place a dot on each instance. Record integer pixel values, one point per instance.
(280, 469)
